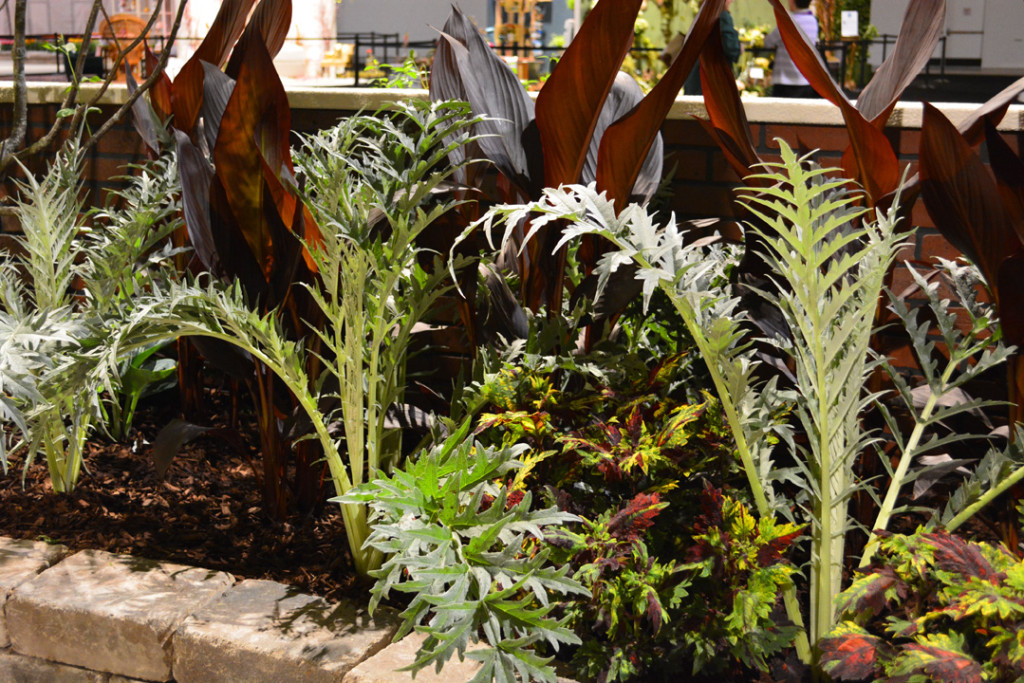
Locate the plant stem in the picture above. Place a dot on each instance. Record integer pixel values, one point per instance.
(987, 498)
(742, 447)
(889, 504)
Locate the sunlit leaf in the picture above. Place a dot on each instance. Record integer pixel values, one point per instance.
(571, 100)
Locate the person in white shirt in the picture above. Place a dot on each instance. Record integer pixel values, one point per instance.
(787, 81)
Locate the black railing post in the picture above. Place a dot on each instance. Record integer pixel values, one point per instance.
(355, 61)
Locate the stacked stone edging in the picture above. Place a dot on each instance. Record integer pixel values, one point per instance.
(97, 617)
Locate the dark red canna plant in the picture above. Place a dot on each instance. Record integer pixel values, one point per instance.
(590, 123)
(230, 122)
(869, 159)
(980, 211)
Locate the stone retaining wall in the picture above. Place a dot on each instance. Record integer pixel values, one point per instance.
(96, 617)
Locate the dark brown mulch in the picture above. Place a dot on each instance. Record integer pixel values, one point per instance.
(206, 512)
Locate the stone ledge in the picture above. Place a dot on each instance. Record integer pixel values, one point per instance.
(265, 632)
(110, 613)
(816, 112)
(96, 617)
(15, 668)
(21, 561)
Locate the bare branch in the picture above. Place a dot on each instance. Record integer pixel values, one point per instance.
(145, 85)
(20, 125)
(69, 99)
(123, 53)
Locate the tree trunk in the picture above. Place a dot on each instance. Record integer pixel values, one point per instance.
(20, 124)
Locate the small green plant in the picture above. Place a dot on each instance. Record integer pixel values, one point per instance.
(64, 295)
(409, 74)
(371, 182)
(934, 607)
(967, 356)
(469, 551)
(129, 241)
(737, 573)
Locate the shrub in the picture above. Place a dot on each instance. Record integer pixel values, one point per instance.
(932, 607)
(467, 548)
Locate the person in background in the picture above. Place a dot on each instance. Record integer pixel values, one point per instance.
(787, 81)
(730, 43)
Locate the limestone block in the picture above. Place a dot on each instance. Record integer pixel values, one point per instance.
(19, 562)
(381, 668)
(109, 612)
(266, 632)
(15, 668)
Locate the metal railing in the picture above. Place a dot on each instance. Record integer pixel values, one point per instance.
(848, 60)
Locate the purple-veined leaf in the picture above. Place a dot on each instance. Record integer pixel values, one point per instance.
(196, 176)
(923, 25)
(1008, 169)
(626, 144)
(870, 160)
(253, 128)
(624, 95)
(142, 115)
(728, 119)
(492, 90)
(570, 103)
(962, 198)
(269, 21)
(187, 93)
(217, 89)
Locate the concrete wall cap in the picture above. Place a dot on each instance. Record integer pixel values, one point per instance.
(759, 109)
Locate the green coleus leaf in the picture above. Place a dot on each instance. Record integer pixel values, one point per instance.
(985, 600)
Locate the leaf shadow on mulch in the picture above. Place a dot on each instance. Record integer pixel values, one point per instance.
(206, 512)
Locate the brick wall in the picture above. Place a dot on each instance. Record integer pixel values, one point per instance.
(703, 183)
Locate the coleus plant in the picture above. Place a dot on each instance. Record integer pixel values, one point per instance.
(590, 122)
(933, 607)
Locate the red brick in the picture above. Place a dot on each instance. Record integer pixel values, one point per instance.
(910, 141)
(907, 253)
(104, 169)
(902, 280)
(935, 245)
(690, 164)
(686, 132)
(919, 217)
(826, 138)
(755, 132)
(721, 171)
(704, 200)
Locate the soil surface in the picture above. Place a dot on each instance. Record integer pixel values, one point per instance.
(206, 511)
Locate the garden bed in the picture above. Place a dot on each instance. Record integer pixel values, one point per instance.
(206, 512)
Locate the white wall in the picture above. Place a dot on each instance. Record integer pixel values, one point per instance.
(1003, 46)
(52, 16)
(414, 17)
(986, 30)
